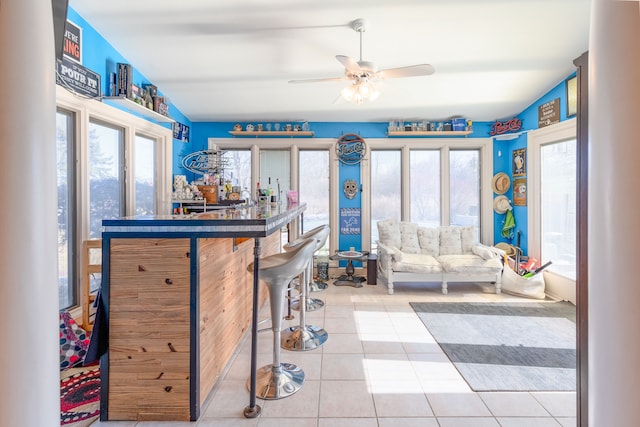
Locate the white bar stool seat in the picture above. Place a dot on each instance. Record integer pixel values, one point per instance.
(280, 380)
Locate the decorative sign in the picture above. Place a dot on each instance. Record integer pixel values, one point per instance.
(349, 220)
(499, 128)
(520, 162)
(520, 192)
(78, 78)
(204, 161)
(549, 113)
(351, 149)
(72, 48)
(180, 132)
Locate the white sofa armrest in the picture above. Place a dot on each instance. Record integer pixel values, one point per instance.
(386, 255)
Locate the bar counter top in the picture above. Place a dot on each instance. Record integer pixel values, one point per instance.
(236, 221)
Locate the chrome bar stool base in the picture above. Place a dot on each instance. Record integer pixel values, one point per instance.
(313, 304)
(302, 339)
(277, 383)
(317, 286)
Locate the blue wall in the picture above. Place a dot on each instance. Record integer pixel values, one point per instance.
(502, 161)
(99, 56)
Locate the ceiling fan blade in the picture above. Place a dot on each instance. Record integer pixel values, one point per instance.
(328, 79)
(349, 63)
(410, 71)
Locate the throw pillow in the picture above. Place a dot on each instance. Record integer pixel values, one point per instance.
(389, 232)
(469, 236)
(450, 241)
(482, 251)
(74, 342)
(409, 238)
(429, 239)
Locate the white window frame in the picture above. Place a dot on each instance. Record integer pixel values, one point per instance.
(485, 145)
(87, 109)
(556, 285)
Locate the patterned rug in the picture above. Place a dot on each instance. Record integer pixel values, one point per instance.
(507, 346)
(79, 396)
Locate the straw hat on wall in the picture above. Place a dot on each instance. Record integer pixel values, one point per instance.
(501, 204)
(500, 183)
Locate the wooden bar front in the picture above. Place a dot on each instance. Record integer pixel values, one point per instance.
(177, 310)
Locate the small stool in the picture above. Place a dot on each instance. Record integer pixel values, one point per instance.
(280, 380)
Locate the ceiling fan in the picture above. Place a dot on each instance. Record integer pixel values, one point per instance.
(365, 75)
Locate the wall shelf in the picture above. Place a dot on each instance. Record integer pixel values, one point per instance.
(271, 133)
(431, 133)
(137, 108)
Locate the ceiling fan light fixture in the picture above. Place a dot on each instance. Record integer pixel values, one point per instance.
(360, 91)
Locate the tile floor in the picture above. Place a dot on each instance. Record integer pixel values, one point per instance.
(380, 367)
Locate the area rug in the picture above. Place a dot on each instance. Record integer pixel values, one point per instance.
(79, 396)
(527, 346)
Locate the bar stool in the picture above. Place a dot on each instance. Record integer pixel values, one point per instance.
(306, 337)
(320, 234)
(279, 379)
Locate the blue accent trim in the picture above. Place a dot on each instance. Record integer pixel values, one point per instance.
(194, 350)
(104, 359)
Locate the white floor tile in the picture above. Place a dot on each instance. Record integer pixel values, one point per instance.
(380, 367)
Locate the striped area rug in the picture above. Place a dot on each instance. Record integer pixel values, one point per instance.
(529, 346)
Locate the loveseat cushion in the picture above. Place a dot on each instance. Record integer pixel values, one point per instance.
(389, 232)
(416, 263)
(409, 238)
(467, 263)
(450, 241)
(429, 240)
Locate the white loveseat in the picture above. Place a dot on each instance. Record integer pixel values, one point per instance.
(410, 253)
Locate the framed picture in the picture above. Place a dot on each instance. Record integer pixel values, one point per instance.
(519, 162)
(520, 192)
(572, 96)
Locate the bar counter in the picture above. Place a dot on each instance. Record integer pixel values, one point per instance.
(176, 300)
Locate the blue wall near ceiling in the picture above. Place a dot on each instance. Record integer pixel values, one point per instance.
(99, 56)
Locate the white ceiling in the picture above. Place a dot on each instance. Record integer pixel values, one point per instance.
(231, 60)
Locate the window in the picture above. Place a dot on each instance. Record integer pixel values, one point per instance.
(238, 170)
(425, 187)
(95, 182)
(144, 171)
(551, 190)
(386, 188)
(314, 187)
(558, 206)
(106, 175)
(464, 187)
(275, 169)
(67, 245)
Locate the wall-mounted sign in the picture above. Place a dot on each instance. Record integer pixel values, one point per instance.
(72, 48)
(78, 78)
(204, 161)
(351, 149)
(349, 220)
(549, 113)
(520, 162)
(180, 132)
(520, 192)
(499, 128)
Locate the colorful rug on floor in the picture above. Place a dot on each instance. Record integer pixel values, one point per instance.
(79, 396)
(528, 346)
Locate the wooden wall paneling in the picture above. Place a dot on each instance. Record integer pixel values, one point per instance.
(149, 329)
